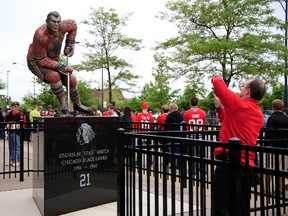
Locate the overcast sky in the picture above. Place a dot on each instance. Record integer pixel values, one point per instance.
(19, 19)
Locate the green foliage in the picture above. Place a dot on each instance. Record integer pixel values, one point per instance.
(3, 101)
(2, 85)
(207, 103)
(277, 93)
(144, 94)
(44, 98)
(134, 103)
(85, 92)
(158, 92)
(3, 98)
(194, 88)
(106, 27)
(47, 97)
(237, 39)
(266, 102)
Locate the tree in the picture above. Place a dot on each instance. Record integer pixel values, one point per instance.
(277, 93)
(105, 27)
(208, 104)
(46, 97)
(159, 91)
(134, 103)
(144, 92)
(234, 38)
(266, 101)
(3, 98)
(194, 88)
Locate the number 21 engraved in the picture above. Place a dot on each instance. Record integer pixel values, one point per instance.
(85, 180)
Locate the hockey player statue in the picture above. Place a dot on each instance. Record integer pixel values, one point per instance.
(43, 59)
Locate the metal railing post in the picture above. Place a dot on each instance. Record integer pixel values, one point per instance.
(234, 186)
(121, 174)
(22, 150)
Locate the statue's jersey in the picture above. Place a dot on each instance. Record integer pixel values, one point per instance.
(45, 49)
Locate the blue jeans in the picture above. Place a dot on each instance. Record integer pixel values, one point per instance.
(196, 166)
(14, 147)
(2, 134)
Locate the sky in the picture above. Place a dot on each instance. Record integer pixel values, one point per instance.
(19, 20)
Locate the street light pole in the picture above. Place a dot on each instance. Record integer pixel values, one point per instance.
(102, 82)
(285, 73)
(286, 62)
(7, 103)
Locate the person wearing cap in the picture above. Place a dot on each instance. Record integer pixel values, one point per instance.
(145, 118)
(111, 111)
(49, 111)
(13, 118)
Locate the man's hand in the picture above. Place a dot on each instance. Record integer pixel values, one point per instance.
(215, 76)
(64, 69)
(217, 101)
(69, 48)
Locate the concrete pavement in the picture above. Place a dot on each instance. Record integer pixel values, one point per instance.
(16, 199)
(20, 202)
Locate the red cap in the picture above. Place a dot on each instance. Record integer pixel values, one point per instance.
(144, 105)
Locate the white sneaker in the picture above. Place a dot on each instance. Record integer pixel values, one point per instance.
(9, 164)
(16, 164)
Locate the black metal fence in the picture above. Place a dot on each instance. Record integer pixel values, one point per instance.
(13, 133)
(171, 173)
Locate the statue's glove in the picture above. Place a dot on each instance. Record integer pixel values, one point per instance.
(69, 47)
(64, 69)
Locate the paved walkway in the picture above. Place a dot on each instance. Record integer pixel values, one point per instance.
(16, 199)
(20, 202)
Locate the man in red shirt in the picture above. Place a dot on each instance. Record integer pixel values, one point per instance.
(43, 58)
(106, 112)
(134, 119)
(13, 118)
(133, 116)
(49, 111)
(162, 117)
(242, 118)
(145, 118)
(194, 118)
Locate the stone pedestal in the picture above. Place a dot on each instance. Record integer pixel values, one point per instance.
(74, 162)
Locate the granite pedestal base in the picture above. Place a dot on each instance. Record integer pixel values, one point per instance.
(74, 162)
